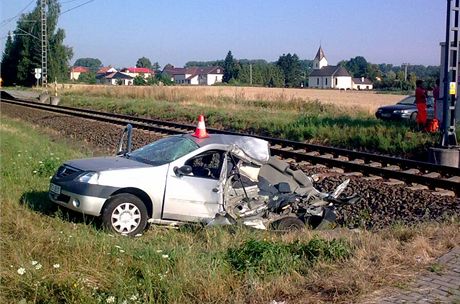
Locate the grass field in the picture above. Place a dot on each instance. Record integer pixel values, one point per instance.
(51, 256)
(343, 119)
(364, 101)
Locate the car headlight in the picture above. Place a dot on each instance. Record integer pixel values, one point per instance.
(397, 111)
(90, 178)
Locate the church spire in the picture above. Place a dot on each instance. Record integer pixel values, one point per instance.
(320, 59)
(320, 54)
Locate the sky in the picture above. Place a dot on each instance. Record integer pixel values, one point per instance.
(118, 32)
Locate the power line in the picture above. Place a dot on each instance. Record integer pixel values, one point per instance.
(75, 7)
(4, 22)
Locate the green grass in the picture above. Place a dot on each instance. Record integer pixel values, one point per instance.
(295, 119)
(50, 255)
(53, 256)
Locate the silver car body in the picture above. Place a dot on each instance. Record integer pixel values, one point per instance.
(183, 198)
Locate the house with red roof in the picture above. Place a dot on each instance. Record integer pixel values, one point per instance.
(134, 72)
(115, 78)
(106, 70)
(75, 72)
(195, 75)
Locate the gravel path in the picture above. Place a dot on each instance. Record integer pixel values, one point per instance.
(441, 285)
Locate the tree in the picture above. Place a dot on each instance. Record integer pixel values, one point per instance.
(7, 68)
(231, 68)
(143, 62)
(89, 78)
(93, 64)
(156, 66)
(290, 65)
(357, 67)
(24, 51)
(139, 81)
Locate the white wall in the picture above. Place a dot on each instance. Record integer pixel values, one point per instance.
(74, 75)
(362, 86)
(214, 78)
(343, 82)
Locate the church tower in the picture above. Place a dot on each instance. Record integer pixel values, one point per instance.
(320, 59)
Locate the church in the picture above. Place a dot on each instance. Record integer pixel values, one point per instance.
(326, 76)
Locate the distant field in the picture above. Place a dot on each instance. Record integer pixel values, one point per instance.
(366, 101)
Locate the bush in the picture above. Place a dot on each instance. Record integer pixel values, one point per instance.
(265, 257)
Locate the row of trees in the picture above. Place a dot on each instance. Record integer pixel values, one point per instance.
(290, 71)
(22, 52)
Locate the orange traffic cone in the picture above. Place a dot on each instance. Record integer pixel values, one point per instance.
(200, 131)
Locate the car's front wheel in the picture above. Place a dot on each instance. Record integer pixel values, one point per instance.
(289, 223)
(125, 214)
(413, 117)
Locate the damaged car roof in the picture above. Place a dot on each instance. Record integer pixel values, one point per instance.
(257, 149)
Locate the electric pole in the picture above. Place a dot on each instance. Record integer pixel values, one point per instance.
(44, 40)
(250, 74)
(406, 65)
(450, 74)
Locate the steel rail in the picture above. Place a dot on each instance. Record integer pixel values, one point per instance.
(285, 148)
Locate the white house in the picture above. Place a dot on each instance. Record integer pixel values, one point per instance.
(106, 70)
(76, 71)
(362, 84)
(134, 72)
(115, 78)
(195, 75)
(326, 76)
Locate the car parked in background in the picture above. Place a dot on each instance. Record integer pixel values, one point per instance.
(405, 110)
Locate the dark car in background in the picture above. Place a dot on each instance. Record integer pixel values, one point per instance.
(405, 110)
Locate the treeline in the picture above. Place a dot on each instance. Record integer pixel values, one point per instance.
(290, 71)
(22, 53)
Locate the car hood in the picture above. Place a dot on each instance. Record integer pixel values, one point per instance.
(398, 107)
(105, 163)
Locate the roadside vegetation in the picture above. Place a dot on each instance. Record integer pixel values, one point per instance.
(292, 118)
(53, 256)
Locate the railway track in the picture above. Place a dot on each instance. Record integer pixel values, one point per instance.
(418, 175)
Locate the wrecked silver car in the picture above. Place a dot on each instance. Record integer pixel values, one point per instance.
(217, 179)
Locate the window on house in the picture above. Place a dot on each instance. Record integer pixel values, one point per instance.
(326, 81)
(317, 81)
(336, 82)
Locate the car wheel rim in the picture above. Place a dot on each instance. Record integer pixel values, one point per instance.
(126, 218)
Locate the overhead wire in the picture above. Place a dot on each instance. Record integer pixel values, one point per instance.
(6, 21)
(20, 12)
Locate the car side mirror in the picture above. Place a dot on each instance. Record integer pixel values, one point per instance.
(184, 170)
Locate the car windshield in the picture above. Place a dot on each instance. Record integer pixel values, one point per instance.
(408, 101)
(163, 151)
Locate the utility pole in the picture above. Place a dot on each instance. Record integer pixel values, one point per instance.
(44, 40)
(448, 154)
(406, 65)
(250, 74)
(450, 74)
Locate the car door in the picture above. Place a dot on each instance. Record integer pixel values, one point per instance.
(198, 196)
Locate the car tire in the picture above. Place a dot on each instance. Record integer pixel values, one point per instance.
(413, 117)
(125, 214)
(289, 224)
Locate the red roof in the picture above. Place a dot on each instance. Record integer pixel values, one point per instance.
(79, 69)
(103, 70)
(194, 71)
(138, 70)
